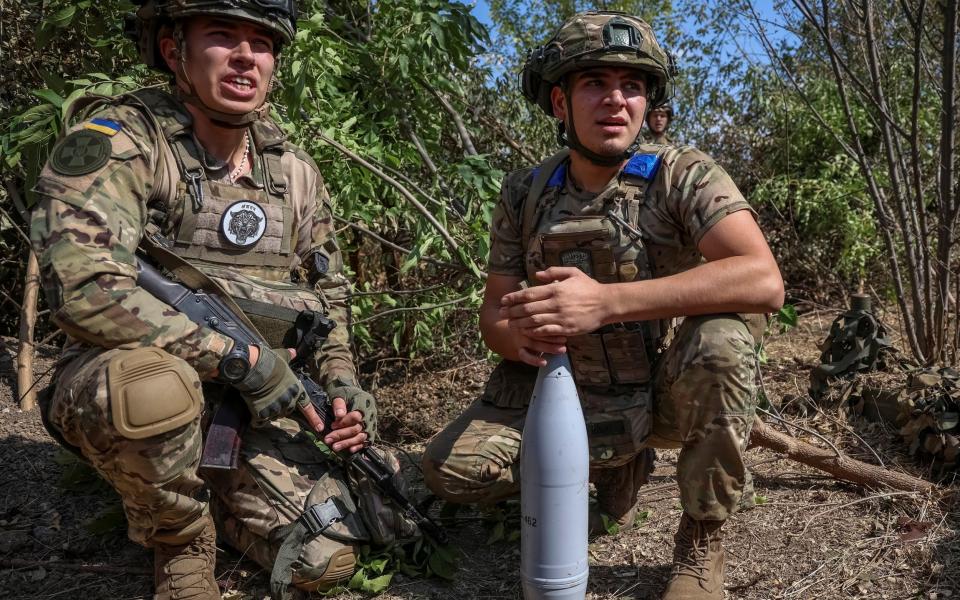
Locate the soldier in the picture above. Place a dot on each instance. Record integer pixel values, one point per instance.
(658, 121)
(614, 238)
(201, 165)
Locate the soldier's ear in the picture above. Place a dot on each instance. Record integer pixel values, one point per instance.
(169, 51)
(559, 101)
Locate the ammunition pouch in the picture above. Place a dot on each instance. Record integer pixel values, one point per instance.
(583, 243)
(614, 354)
(619, 421)
(151, 392)
(272, 307)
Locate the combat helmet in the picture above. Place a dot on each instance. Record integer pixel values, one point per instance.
(143, 27)
(597, 39)
(664, 108)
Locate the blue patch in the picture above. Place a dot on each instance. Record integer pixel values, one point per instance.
(643, 165)
(558, 177)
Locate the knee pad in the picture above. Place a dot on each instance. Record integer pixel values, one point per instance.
(151, 392)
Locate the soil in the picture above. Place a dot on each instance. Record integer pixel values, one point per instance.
(809, 536)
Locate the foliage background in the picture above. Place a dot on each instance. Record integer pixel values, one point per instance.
(426, 96)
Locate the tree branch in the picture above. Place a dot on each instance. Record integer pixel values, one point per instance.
(451, 243)
(465, 139)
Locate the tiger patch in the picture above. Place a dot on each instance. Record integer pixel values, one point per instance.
(244, 223)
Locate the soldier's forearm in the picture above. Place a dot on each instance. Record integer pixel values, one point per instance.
(109, 313)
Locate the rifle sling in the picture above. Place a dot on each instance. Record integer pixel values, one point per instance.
(192, 277)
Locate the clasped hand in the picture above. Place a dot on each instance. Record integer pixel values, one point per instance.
(570, 303)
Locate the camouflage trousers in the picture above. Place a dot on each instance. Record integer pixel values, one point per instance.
(703, 402)
(164, 495)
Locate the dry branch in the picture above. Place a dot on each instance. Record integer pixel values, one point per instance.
(841, 467)
(451, 243)
(28, 319)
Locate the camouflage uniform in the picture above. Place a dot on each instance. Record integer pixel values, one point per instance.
(702, 382)
(662, 138)
(118, 173)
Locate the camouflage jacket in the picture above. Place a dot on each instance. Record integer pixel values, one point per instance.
(687, 194)
(110, 177)
(663, 138)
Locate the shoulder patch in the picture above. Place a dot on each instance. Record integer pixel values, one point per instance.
(82, 152)
(558, 176)
(104, 126)
(643, 165)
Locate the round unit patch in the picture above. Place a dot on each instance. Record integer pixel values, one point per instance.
(80, 153)
(243, 223)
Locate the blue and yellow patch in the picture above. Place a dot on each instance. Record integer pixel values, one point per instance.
(104, 126)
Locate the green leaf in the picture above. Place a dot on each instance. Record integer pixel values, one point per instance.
(49, 96)
(441, 566)
(61, 18)
(377, 584)
(787, 316)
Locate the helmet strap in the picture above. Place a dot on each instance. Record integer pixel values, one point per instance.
(567, 136)
(190, 96)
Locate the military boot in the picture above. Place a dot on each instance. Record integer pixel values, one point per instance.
(698, 559)
(185, 571)
(617, 493)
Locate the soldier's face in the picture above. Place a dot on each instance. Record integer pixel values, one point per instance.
(229, 62)
(657, 120)
(607, 106)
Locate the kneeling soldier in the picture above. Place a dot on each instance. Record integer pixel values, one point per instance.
(201, 170)
(617, 238)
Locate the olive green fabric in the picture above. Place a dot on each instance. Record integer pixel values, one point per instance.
(271, 389)
(597, 39)
(857, 343)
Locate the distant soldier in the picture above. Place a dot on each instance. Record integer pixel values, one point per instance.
(200, 169)
(614, 238)
(658, 121)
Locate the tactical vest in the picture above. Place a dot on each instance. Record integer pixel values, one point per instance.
(610, 248)
(240, 237)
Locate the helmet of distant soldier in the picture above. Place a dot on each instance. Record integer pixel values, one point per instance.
(665, 108)
(277, 16)
(598, 39)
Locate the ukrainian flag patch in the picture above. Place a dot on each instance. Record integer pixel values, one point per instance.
(104, 126)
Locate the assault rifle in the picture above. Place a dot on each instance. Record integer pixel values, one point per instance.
(221, 450)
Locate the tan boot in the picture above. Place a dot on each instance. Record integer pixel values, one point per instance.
(185, 571)
(617, 493)
(698, 559)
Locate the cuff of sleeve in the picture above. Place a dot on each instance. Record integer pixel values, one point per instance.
(213, 348)
(723, 212)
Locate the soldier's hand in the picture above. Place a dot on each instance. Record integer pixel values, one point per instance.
(347, 429)
(571, 303)
(270, 389)
(531, 350)
(350, 401)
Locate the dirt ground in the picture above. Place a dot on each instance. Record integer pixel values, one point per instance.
(810, 536)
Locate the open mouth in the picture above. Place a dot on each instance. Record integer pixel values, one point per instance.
(241, 84)
(612, 122)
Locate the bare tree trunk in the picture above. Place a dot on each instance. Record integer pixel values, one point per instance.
(948, 208)
(28, 319)
(841, 467)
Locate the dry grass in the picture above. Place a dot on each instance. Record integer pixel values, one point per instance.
(810, 536)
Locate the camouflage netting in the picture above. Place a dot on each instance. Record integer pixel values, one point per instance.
(861, 370)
